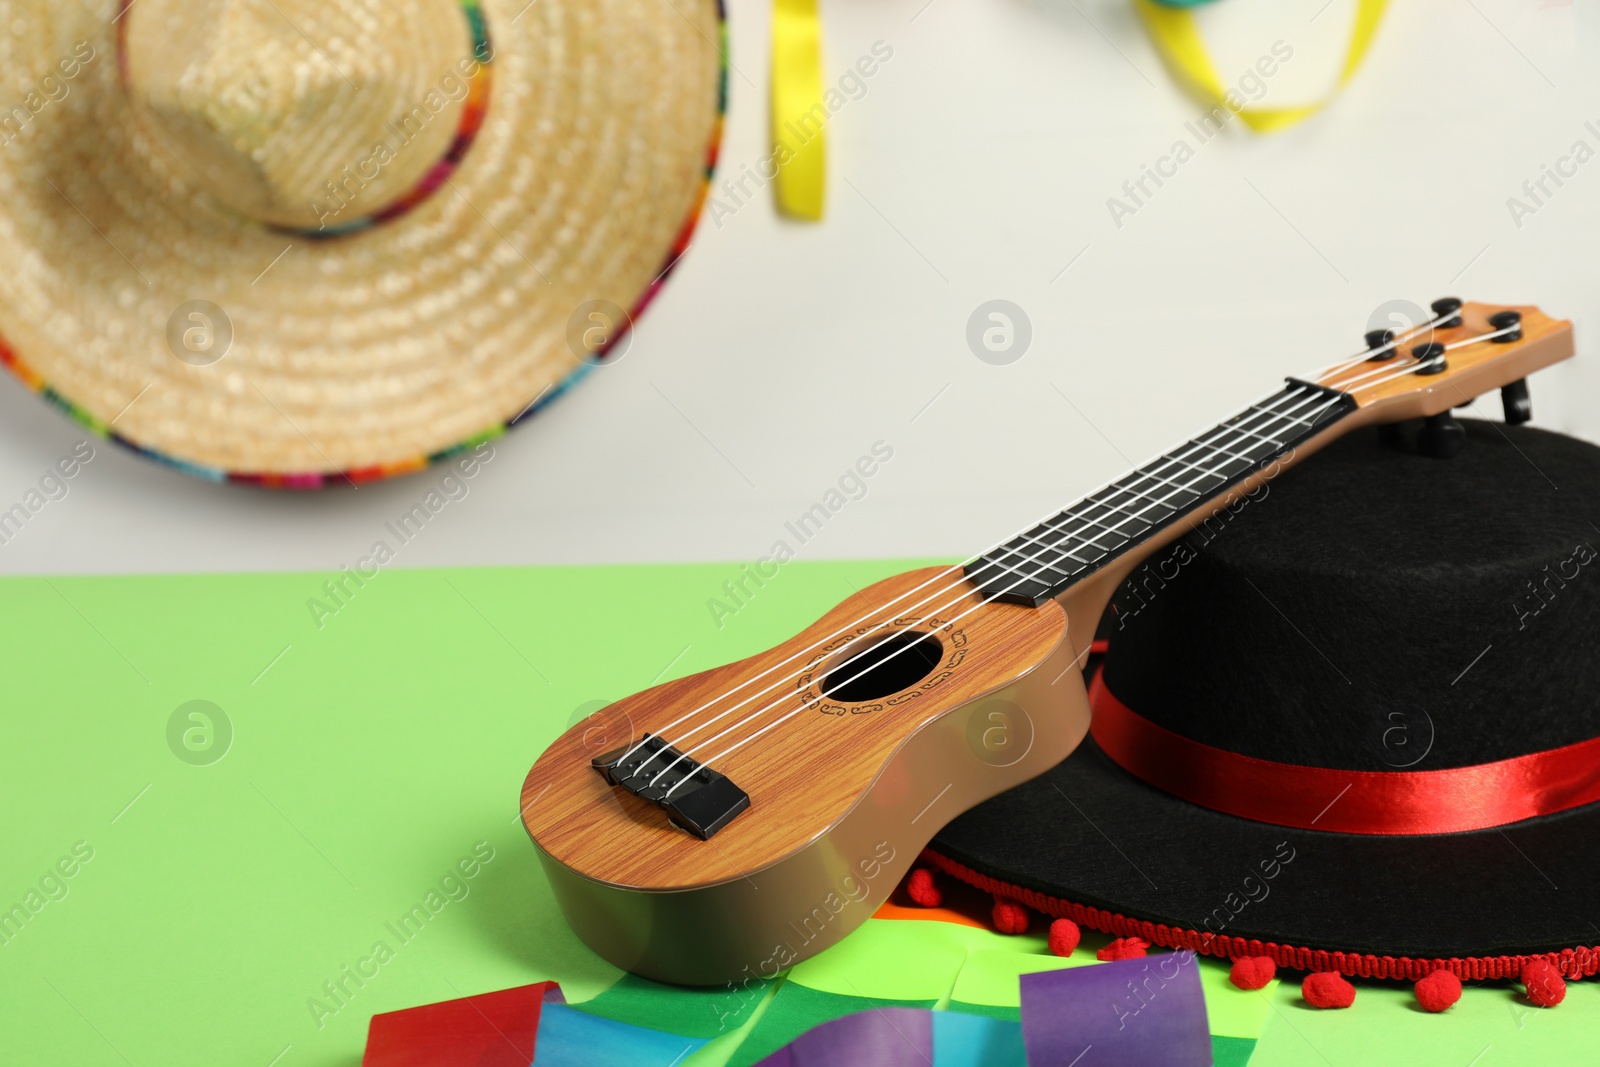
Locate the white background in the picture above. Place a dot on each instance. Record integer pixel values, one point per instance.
(976, 166)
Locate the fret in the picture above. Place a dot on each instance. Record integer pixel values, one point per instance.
(1276, 444)
(1169, 481)
(1111, 530)
(1058, 548)
(1166, 500)
(1153, 503)
(1064, 518)
(1058, 545)
(1039, 567)
(1037, 564)
(1028, 574)
(1067, 547)
(1204, 471)
(1232, 457)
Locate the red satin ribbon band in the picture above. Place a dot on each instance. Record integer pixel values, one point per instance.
(1345, 802)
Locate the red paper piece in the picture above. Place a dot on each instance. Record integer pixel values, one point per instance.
(487, 1030)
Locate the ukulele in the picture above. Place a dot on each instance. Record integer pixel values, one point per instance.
(724, 826)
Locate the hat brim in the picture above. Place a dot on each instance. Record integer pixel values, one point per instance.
(1090, 841)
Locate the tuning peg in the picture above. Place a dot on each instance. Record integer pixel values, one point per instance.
(1448, 310)
(1518, 406)
(1503, 320)
(1391, 435)
(1429, 357)
(1441, 436)
(1377, 339)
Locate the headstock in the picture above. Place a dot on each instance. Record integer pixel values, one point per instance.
(1464, 351)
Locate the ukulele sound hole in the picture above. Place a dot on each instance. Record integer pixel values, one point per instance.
(893, 664)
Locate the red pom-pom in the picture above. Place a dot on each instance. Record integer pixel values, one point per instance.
(1064, 937)
(1123, 948)
(1543, 982)
(1327, 989)
(1009, 916)
(1438, 990)
(921, 889)
(1252, 972)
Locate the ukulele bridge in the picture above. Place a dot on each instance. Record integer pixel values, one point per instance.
(694, 796)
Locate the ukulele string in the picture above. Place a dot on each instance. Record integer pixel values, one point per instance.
(1332, 370)
(807, 704)
(1061, 555)
(876, 609)
(815, 700)
(1416, 365)
(1205, 442)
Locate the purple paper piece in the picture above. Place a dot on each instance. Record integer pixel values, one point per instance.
(883, 1037)
(1144, 1012)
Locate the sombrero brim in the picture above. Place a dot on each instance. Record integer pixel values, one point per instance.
(1089, 841)
(379, 352)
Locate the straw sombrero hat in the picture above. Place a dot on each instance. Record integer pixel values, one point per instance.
(289, 242)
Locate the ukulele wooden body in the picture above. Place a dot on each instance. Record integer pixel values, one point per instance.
(843, 795)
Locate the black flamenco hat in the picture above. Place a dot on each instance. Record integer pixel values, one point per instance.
(1352, 725)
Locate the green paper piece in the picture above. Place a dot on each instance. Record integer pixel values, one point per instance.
(1231, 1051)
(703, 1013)
(991, 976)
(889, 959)
(796, 1008)
(1491, 1024)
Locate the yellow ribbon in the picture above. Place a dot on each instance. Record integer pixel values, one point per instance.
(1184, 51)
(798, 113)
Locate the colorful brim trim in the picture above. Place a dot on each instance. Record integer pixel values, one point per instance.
(360, 475)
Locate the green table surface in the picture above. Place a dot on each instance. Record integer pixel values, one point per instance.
(167, 907)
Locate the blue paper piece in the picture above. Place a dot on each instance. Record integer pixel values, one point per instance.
(963, 1040)
(572, 1038)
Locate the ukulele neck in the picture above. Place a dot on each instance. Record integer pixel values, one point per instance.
(1109, 524)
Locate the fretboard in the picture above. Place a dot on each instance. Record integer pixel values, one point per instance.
(1067, 547)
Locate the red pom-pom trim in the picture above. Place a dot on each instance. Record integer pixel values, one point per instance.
(1123, 948)
(1064, 937)
(1543, 982)
(1327, 989)
(1252, 972)
(921, 890)
(1438, 991)
(1009, 916)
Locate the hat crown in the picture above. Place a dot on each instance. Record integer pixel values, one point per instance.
(1334, 620)
(299, 113)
